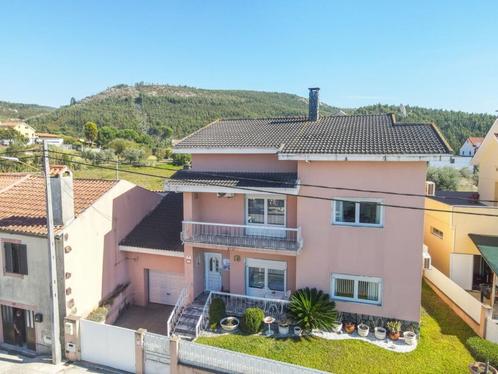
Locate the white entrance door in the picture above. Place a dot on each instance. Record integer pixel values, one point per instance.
(165, 287)
(265, 278)
(462, 269)
(213, 271)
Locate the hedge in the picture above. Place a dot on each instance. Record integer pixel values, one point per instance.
(483, 350)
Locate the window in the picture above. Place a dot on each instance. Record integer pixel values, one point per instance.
(357, 212)
(357, 288)
(437, 232)
(263, 210)
(15, 258)
(266, 278)
(256, 277)
(276, 280)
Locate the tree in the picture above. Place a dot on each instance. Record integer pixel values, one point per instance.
(120, 145)
(91, 132)
(181, 159)
(134, 155)
(446, 178)
(73, 101)
(106, 135)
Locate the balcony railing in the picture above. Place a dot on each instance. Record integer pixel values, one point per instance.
(247, 236)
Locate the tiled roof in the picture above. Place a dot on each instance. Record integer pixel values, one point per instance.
(161, 228)
(358, 134)
(47, 135)
(8, 179)
(476, 141)
(234, 179)
(22, 205)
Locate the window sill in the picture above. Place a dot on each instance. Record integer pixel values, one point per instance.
(355, 301)
(14, 275)
(358, 225)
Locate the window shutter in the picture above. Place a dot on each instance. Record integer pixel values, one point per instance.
(23, 259)
(9, 265)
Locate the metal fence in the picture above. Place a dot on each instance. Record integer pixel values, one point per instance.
(248, 236)
(177, 311)
(225, 361)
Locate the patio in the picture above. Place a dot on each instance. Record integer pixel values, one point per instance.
(152, 317)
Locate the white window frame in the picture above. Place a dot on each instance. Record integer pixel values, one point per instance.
(267, 265)
(265, 198)
(357, 202)
(356, 279)
(437, 233)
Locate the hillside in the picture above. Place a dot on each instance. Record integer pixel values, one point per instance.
(184, 109)
(22, 111)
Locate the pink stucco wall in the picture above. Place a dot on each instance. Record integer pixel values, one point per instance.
(393, 252)
(138, 263)
(242, 162)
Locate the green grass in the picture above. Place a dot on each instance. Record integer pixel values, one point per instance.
(151, 183)
(441, 348)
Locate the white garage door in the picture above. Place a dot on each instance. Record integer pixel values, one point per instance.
(164, 287)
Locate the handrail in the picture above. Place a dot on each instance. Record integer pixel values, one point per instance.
(263, 227)
(267, 299)
(203, 315)
(176, 312)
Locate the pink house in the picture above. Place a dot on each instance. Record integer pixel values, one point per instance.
(272, 205)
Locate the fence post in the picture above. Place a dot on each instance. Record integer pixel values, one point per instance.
(173, 352)
(486, 312)
(139, 351)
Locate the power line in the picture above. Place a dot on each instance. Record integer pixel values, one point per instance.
(290, 184)
(251, 189)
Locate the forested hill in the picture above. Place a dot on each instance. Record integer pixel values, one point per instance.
(145, 107)
(22, 111)
(184, 109)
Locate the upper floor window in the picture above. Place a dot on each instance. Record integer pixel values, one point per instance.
(15, 258)
(357, 288)
(357, 212)
(265, 210)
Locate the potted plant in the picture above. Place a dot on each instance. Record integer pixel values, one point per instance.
(363, 330)
(349, 327)
(394, 328)
(283, 326)
(410, 337)
(298, 331)
(229, 323)
(482, 368)
(380, 333)
(337, 327)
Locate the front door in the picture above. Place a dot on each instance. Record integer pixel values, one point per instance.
(213, 271)
(265, 278)
(18, 327)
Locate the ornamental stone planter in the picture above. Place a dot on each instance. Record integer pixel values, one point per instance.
(380, 333)
(298, 331)
(410, 337)
(480, 368)
(337, 328)
(283, 329)
(229, 324)
(363, 330)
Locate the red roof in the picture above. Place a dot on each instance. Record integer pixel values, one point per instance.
(475, 141)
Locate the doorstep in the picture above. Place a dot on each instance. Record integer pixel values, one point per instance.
(9, 348)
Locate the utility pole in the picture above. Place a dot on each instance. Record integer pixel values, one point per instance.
(56, 343)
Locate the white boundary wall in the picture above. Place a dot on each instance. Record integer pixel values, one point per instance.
(465, 301)
(107, 345)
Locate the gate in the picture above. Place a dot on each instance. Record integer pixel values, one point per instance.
(156, 353)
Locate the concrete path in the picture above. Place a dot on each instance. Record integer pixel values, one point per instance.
(16, 364)
(153, 318)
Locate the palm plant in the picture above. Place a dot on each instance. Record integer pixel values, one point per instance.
(312, 309)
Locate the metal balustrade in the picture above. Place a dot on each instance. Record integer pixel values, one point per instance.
(177, 311)
(246, 236)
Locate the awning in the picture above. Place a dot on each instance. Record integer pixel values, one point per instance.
(488, 246)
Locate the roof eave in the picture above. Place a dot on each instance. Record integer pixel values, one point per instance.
(226, 150)
(363, 157)
(178, 187)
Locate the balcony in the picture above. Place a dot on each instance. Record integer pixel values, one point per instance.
(244, 236)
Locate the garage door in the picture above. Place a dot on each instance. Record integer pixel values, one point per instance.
(165, 287)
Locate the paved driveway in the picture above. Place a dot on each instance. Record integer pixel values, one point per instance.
(152, 317)
(16, 364)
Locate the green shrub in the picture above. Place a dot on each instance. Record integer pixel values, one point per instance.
(98, 315)
(483, 350)
(312, 309)
(252, 320)
(216, 312)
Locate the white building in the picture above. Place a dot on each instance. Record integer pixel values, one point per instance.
(470, 146)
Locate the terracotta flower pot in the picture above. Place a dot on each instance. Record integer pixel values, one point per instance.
(349, 327)
(394, 335)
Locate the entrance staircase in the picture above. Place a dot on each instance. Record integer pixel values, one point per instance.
(185, 327)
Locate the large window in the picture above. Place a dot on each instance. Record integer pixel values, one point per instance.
(265, 210)
(357, 212)
(15, 258)
(266, 278)
(357, 288)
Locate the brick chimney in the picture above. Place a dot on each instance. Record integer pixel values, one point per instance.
(61, 183)
(314, 104)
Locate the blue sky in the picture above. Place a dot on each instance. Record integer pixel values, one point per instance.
(439, 54)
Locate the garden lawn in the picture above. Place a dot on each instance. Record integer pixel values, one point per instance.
(149, 182)
(441, 348)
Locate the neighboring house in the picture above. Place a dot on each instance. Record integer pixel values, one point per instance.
(250, 229)
(91, 218)
(470, 147)
(21, 127)
(461, 246)
(51, 139)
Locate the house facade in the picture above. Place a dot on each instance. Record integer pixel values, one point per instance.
(21, 127)
(470, 147)
(274, 205)
(91, 218)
